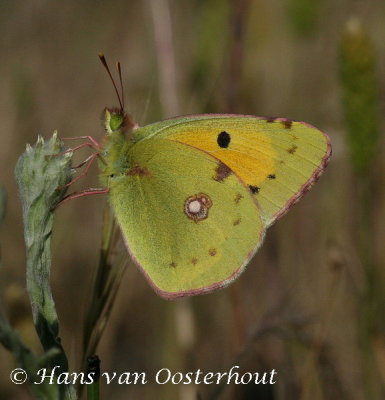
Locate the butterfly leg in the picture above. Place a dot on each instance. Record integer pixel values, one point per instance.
(75, 195)
(90, 138)
(80, 146)
(89, 161)
(71, 150)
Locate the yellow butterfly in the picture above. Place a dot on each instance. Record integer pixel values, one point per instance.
(194, 195)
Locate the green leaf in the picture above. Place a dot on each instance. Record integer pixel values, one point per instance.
(28, 361)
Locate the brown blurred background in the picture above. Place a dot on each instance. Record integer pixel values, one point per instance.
(311, 302)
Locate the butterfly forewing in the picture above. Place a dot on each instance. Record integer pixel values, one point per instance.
(277, 159)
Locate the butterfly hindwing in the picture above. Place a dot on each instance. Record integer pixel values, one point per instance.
(189, 222)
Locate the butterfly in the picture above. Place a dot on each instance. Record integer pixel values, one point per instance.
(194, 195)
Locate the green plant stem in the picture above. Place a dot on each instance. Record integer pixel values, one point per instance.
(93, 366)
(98, 298)
(106, 285)
(93, 391)
(41, 173)
(359, 84)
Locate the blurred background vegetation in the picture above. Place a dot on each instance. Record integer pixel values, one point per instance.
(311, 303)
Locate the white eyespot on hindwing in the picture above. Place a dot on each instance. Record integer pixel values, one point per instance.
(197, 207)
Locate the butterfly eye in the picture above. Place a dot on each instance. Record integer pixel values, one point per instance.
(113, 120)
(116, 122)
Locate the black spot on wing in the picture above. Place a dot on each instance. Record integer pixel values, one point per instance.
(223, 140)
(271, 176)
(254, 189)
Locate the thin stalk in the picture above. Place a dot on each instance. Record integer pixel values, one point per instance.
(107, 282)
(360, 97)
(163, 37)
(238, 25)
(93, 389)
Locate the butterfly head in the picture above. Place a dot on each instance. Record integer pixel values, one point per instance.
(116, 119)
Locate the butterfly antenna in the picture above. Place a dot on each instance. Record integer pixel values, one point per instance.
(121, 82)
(104, 62)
